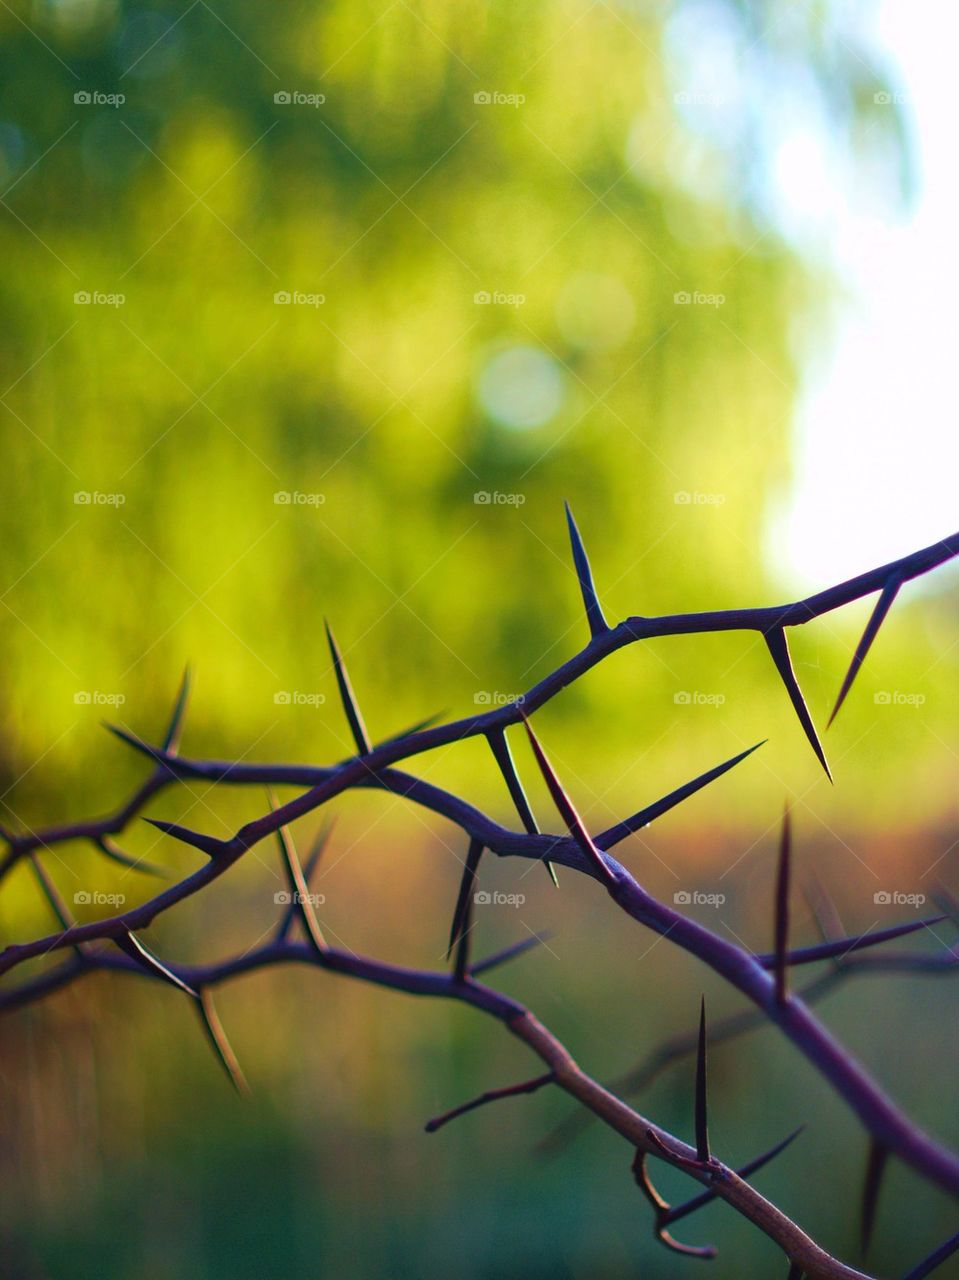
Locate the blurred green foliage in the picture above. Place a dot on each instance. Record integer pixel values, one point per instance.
(636, 168)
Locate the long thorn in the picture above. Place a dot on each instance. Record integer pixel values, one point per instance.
(131, 945)
(512, 952)
(462, 912)
(171, 739)
(298, 888)
(210, 1021)
(779, 648)
(876, 1162)
(674, 1214)
(143, 865)
(613, 835)
(935, 1259)
(781, 930)
(312, 861)
(594, 613)
(877, 618)
(702, 1128)
(568, 812)
(499, 745)
(347, 696)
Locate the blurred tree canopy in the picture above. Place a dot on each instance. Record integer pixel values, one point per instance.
(531, 252)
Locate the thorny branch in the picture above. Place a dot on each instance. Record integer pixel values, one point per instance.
(762, 978)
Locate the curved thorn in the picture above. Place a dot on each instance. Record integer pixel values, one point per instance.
(877, 618)
(779, 648)
(347, 696)
(171, 739)
(613, 835)
(594, 612)
(661, 1211)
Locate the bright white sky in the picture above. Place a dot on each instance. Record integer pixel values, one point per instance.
(877, 438)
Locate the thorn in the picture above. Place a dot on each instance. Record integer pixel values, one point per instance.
(779, 648)
(463, 911)
(171, 739)
(418, 727)
(511, 952)
(877, 618)
(499, 745)
(312, 862)
(138, 744)
(655, 810)
(49, 891)
(347, 696)
(568, 812)
(110, 850)
(594, 612)
(206, 844)
(781, 922)
(745, 1171)
(296, 882)
(702, 1130)
(823, 909)
(934, 1260)
(839, 947)
(210, 1020)
(872, 1183)
(491, 1095)
(131, 945)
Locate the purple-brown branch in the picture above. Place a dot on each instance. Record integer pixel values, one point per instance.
(374, 766)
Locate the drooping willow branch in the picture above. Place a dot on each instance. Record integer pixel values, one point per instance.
(763, 979)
